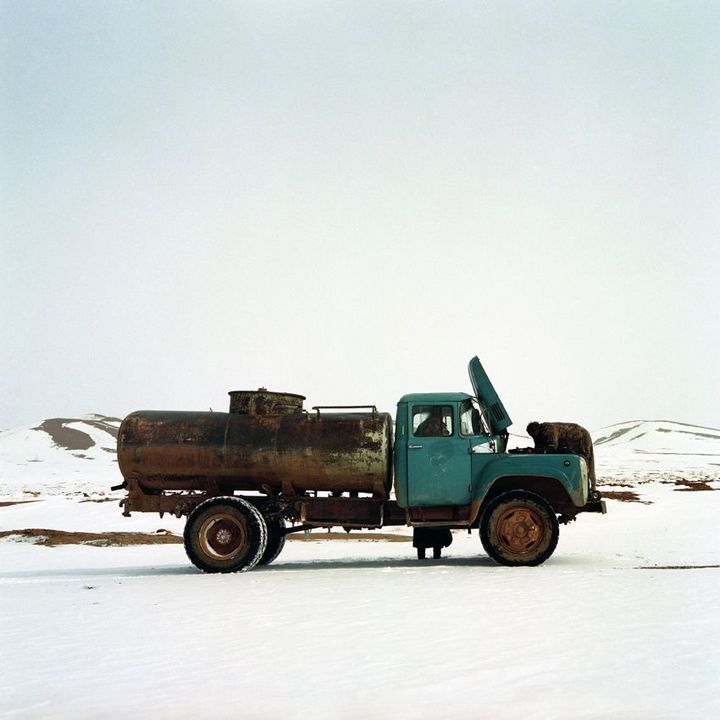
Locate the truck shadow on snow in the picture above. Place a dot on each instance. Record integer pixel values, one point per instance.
(111, 573)
(377, 564)
(120, 573)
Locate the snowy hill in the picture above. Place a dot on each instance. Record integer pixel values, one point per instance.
(660, 436)
(60, 456)
(656, 446)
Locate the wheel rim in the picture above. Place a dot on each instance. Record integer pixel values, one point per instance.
(520, 530)
(222, 536)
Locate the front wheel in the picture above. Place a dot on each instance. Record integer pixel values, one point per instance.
(519, 528)
(225, 534)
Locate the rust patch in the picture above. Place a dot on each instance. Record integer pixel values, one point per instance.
(345, 512)
(264, 402)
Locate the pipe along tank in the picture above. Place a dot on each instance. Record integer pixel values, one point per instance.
(266, 442)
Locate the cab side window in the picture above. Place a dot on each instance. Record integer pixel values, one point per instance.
(432, 420)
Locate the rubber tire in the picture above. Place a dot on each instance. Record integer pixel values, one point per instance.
(249, 523)
(489, 532)
(275, 540)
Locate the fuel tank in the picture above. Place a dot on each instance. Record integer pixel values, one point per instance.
(267, 442)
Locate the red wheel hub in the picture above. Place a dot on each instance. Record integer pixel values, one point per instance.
(222, 536)
(520, 530)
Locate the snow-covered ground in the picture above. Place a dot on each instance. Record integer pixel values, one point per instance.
(622, 622)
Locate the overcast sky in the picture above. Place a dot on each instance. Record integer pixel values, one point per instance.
(348, 200)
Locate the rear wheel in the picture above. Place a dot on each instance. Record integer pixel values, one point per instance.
(275, 540)
(225, 534)
(519, 528)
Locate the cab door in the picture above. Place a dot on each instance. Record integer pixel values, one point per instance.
(438, 457)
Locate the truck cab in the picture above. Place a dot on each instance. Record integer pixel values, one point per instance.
(442, 442)
(451, 464)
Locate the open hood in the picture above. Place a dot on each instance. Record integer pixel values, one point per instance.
(487, 397)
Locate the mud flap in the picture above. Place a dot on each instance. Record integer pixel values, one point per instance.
(596, 506)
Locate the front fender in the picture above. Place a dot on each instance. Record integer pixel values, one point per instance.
(568, 470)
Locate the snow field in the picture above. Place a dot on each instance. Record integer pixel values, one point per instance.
(347, 629)
(356, 629)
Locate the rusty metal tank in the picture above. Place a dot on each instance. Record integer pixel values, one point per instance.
(267, 442)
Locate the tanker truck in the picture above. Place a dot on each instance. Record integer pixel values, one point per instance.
(247, 478)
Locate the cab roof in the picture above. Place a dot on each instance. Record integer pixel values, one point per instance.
(435, 397)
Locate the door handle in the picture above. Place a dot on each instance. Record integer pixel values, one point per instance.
(414, 447)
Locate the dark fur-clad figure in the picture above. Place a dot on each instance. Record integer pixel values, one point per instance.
(433, 425)
(556, 437)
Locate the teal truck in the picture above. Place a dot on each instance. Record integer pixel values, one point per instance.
(247, 478)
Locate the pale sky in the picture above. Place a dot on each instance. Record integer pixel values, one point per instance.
(348, 200)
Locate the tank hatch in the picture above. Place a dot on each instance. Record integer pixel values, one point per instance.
(264, 402)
